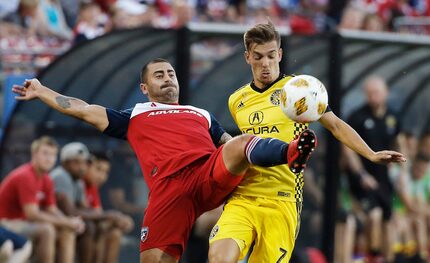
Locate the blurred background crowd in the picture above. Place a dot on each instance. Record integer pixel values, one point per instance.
(33, 32)
(383, 213)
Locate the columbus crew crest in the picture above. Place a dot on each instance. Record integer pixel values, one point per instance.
(144, 233)
(275, 98)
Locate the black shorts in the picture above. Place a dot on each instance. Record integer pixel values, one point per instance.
(381, 197)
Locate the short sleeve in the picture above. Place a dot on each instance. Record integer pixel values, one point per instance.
(216, 130)
(61, 183)
(118, 123)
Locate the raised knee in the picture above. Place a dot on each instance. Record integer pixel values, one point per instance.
(223, 251)
(115, 233)
(46, 231)
(244, 139)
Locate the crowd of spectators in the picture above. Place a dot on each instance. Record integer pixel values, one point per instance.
(34, 32)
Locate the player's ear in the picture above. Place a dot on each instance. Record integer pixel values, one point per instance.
(246, 55)
(144, 88)
(280, 54)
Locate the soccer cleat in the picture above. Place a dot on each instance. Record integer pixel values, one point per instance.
(300, 149)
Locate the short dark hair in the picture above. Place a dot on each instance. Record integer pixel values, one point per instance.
(145, 68)
(260, 34)
(99, 156)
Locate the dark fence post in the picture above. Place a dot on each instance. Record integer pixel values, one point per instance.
(183, 63)
(283, 66)
(332, 170)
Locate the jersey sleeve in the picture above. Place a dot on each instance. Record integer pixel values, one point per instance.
(216, 130)
(118, 123)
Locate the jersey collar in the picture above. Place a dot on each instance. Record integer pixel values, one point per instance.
(255, 88)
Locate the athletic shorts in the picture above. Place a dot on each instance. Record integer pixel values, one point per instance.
(18, 241)
(272, 225)
(176, 201)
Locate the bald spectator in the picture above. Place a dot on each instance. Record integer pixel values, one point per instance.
(28, 206)
(370, 184)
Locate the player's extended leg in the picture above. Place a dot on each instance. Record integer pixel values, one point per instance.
(247, 149)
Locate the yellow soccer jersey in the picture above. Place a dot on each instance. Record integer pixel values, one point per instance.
(257, 112)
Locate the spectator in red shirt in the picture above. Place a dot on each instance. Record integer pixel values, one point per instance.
(28, 206)
(114, 224)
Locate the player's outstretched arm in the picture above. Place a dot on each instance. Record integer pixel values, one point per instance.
(348, 136)
(92, 114)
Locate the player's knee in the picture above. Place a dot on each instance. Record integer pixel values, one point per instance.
(224, 251)
(244, 139)
(115, 233)
(46, 231)
(237, 145)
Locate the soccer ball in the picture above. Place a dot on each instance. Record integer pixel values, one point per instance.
(304, 99)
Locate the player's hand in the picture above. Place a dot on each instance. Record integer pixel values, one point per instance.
(385, 157)
(28, 89)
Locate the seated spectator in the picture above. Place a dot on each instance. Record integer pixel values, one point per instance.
(413, 188)
(131, 14)
(13, 248)
(352, 18)
(91, 23)
(51, 21)
(111, 229)
(28, 206)
(70, 193)
(26, 16)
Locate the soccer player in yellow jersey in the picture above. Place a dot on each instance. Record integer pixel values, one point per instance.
(265, 207)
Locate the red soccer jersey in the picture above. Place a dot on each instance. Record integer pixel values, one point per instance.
(23, 186)
(165, 137)
(92, 195)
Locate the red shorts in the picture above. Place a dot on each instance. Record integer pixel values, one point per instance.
(176, 201)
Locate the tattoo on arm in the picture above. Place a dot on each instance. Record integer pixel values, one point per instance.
(224, 138)
(63, 102)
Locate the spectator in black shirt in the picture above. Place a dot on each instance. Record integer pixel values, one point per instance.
(370, 184)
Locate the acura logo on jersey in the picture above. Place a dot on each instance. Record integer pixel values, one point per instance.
(256, 118)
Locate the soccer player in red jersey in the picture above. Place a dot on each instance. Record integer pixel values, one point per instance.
(176, 146)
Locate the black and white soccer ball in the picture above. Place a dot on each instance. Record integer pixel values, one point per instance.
(304, 99)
